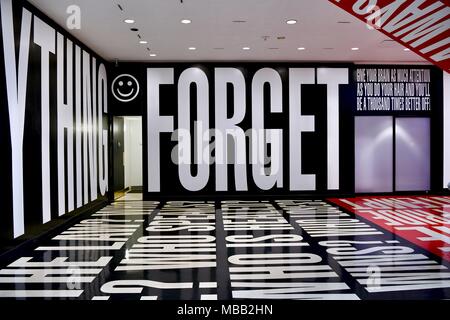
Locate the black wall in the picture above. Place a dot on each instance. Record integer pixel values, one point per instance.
(314, 144)
(32, 147)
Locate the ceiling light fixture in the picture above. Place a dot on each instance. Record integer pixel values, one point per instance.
(291, 21)
(406, 49)
(301, 48)
(192, 48)
(129, 21)
(143, 42)
(355, 49)
(186, 21)
(152, 54)
(246, 48)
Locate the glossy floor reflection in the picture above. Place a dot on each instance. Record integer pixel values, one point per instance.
(285, 249)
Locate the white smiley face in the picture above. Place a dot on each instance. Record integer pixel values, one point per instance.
(125, 88)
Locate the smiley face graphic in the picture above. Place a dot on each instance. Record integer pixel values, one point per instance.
(125, 88)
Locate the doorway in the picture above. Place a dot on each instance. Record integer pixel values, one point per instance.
(127, 158)
(392, 154)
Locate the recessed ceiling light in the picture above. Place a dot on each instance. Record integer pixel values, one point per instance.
(129, 21)
(246, 48)
(301, 48)
(152, 54)
(291, 21)
(186, 21)
(239, 21)
(192, 48)
(143, 42)
(406, 49)
(355, 49)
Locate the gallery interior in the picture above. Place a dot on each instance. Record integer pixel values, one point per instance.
(220, 150)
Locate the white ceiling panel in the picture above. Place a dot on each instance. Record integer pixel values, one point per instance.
(217, 36)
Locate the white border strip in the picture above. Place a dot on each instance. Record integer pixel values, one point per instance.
(446, 129)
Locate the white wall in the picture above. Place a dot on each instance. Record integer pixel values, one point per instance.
(133, 151)
(446, 129)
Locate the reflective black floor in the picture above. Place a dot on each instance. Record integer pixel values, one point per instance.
(286, 249)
